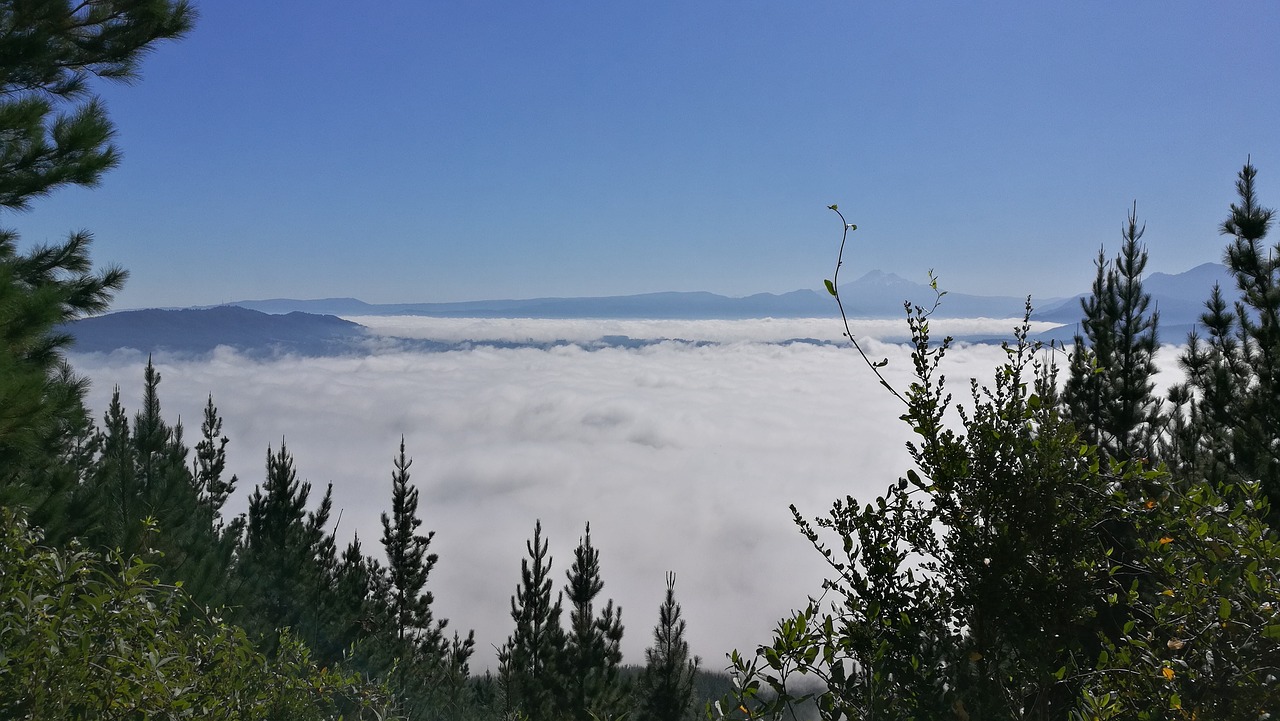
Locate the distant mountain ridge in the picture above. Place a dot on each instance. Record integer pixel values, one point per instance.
(312, 328)
(874, 295)
(1179, 298)
(201, 330)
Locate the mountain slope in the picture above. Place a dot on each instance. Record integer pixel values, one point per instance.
(1179, 297)
(202, 330)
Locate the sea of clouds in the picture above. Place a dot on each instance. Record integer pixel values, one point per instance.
(683, 456)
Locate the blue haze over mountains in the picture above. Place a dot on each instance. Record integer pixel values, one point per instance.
(311, 328)
(874, 295)
(1179, 298)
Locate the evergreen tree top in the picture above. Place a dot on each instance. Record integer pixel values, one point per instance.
(49, 49)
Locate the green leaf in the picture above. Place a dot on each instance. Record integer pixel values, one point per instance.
(831, 287)
(1224, 609)
(771, 657)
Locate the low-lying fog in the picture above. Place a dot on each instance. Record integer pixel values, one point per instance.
(683, 457)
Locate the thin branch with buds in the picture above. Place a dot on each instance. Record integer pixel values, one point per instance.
(833, 287)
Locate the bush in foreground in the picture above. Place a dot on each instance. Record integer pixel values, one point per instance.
(85, 635)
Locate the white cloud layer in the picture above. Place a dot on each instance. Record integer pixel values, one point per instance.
(766, 330)
(683, 458)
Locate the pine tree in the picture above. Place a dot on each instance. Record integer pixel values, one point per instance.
(593, 651)
(53, 133)
(42, 413)
(209, 464)
(431, 668)
(322, 611)
(1110, 391)
(116, 480)
(531, 664)
(168, 493)
(357, 616)
(409, 563)
(277, 568)
(65, 505)
(1208, 403)
(1228, 424)
(665, 689)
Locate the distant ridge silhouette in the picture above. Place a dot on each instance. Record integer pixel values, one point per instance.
(202, 330)
(312, 328)
(874, 295)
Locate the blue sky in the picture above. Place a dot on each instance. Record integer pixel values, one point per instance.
(429, 151)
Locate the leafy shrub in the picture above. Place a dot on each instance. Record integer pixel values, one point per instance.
(84, 635)
(1013, 574)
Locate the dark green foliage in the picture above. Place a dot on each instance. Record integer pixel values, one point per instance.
(1227, 415)
(319, 579)
(1022, 573)
(1206, 405)
(665, 689)
(935, 580)
(355, 609)
(43, 423)
(56, 490)
(88, 636)
(1109, 391)
(546, 673)
(1202, 640)
(142, 476)
(279, 572)
(211, 461)
(83, 636)
(48, 51)
(166, 489)
(219, 538)
(409, 563)
(531, 663)
(430, 669)
(115, 480)
(592, 651)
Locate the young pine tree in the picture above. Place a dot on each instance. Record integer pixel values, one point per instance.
(211, 493)
(349, 606)
(142, 475)
(167, 489)
(1227, 425)
(210, 463)
(431, 668)
(278, 573)
(593, 651)
(1109, 393)
(531, 663)
(409, 563)
(665, 689)
(115, 481)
